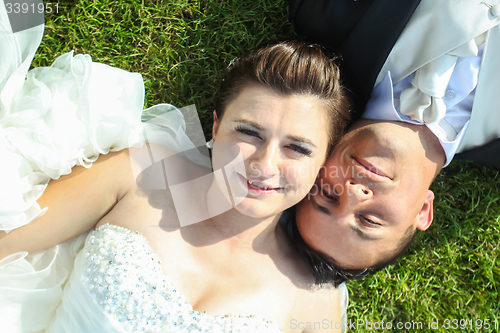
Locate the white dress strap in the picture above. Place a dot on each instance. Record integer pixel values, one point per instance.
(344, 303)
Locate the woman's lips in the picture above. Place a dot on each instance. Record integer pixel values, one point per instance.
(260, 188)
(370, 168)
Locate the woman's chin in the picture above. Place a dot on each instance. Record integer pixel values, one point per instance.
(257, 209)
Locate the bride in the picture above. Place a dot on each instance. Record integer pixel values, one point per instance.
(140, 268)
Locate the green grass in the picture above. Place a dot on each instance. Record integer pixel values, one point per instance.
(181, 48)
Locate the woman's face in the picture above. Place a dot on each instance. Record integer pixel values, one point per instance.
(283, 142)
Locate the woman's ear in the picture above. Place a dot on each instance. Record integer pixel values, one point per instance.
(215, 127)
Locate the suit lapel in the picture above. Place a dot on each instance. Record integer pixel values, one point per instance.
(370, 42)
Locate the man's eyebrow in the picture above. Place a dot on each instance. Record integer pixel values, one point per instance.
(319, 208)
(260, 128)
(364, 235)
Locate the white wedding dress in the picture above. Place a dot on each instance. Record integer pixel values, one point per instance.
(54, 118)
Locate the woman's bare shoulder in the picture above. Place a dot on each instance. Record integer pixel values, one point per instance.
(114, 170)
(89, 192)
(76, 202)
(143, 196)
(320, 309)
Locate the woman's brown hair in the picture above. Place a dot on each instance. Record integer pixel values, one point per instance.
(290, 68)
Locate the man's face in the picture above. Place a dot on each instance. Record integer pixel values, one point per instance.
(372, 191)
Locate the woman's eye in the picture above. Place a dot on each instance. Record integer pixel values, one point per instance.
(300, 150)
(248, 132)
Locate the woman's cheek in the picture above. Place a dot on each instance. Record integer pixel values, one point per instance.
(308, 176)
(247, 151)
(294, 182)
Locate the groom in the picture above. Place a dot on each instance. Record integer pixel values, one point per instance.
(435, 95)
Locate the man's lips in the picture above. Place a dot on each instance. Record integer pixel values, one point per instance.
(370, 167)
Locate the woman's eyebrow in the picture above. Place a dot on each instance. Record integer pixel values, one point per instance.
(250, 123)
(260, 128)
(301, 140)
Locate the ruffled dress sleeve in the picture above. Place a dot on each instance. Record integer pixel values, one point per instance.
(51, 119)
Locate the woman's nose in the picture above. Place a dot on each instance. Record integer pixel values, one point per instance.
(267, 160)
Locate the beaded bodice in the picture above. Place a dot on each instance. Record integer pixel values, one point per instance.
(126, 280)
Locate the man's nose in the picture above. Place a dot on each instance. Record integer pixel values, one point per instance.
(267, 160)
(357, 191)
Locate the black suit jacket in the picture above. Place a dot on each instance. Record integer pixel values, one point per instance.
(364, 32)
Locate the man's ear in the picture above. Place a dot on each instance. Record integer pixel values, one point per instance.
(215, 127)
(424, 219)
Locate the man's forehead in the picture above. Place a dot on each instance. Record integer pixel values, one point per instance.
(361, 127)
(377, 124)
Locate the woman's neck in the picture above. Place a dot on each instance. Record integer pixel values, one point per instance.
(233, 230)
(240, 231)
(233, 226)
(225, 225)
